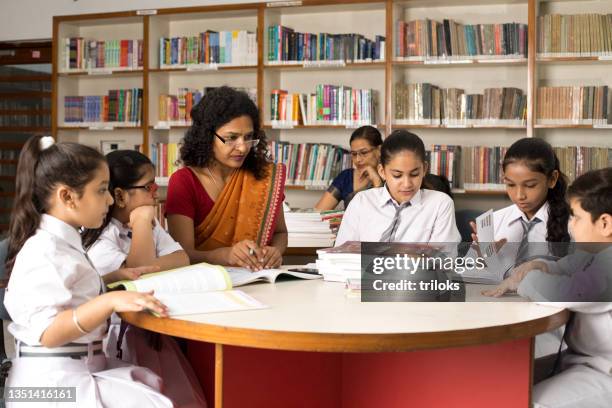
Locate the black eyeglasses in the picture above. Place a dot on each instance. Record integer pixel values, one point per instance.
(150, 188)
(234, 140)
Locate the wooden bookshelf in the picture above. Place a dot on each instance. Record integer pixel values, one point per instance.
(366, 17)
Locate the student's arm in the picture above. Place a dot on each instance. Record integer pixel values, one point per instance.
(327, 202)
(142, 247)
(181, 228)
(94, 313)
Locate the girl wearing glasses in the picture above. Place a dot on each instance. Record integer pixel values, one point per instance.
(131, 236)
(225, 205)
(365, 151)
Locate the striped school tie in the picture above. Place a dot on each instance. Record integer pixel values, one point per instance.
(523, 250)
(389, 234)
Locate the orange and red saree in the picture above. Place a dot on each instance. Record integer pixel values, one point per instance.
(247, 208)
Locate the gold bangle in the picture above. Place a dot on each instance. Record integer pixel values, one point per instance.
(76, 322)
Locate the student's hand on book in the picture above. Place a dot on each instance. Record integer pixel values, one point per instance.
(129, 273)
(246, 254)
(144, 214)
(272, 257)
(509, 284)
(126, 301)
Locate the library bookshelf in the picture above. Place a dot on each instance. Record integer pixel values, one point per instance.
(364, 17)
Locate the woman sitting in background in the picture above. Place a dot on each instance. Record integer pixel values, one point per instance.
(365, 151)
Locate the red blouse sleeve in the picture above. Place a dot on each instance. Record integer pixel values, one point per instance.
(181, 198)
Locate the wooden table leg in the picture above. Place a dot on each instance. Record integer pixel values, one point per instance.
(218, 375)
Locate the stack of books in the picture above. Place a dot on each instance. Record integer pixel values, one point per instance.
(340, 263)
(309, 228)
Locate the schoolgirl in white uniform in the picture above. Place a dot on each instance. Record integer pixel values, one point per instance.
(536, 223)
(400, 211)
(586, 376)
(55, 297)
(132, 237)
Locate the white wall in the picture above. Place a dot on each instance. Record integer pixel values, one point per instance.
(32, 19)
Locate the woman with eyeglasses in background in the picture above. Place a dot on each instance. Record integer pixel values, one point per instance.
(365, 151)
(225, 205)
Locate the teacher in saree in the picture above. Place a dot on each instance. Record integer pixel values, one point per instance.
(224, 206)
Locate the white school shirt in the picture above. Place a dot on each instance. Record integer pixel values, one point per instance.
(430, 217)
(111, 249)
(589, 338)
(51, 274)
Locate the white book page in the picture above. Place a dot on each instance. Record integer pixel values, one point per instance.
(486, 233)
(243, 276)
(189, 279)
(208, 302)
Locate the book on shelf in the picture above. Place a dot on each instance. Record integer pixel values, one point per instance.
(444, 160)
(223, 48)
(165, 158)
(329, 105)
(34, 104)
(205, 288)
(83, 54)
(576, 35)
(428, 104)
(482, 167)
(310, 164)
(423, 40)
(577, 160)
(25, 120)
(121, 107)
(287, 45)
(579, 105)
(175, 109)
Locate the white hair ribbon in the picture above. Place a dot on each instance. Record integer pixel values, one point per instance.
(45, 142)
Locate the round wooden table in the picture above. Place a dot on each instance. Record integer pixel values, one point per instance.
(317, 316)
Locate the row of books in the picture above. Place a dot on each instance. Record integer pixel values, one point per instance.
(287, 45)
(25, 104)
(36, 86)
(310, 164)
(9, 154)
(575, 35)
(236, 48)
(482, 166)
(430, 39)
(577, 160)
(120, 106)
(574, 105)
(428, 104)
(444, 160)
(330, 104)
(165, 158)
(25, 120)
(83, 54)
(175, 110)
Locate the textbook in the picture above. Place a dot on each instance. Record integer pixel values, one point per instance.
(204, 288)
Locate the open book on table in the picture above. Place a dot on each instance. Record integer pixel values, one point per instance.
(204, 288)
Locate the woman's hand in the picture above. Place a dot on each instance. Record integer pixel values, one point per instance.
(272, 257)
(128, 273)
(368, 175)
(246, 254)
(126, 301)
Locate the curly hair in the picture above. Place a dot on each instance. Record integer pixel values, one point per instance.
(218, 107)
